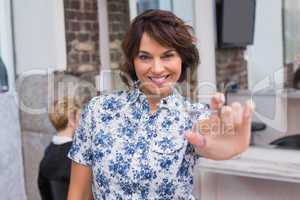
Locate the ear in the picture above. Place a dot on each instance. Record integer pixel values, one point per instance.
(77, 117)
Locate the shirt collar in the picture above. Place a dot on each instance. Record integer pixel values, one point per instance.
(57, 139)
(174, 100)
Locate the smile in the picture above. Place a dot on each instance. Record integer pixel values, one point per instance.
(159, 80)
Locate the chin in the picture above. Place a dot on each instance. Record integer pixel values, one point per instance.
(154, 89)
(160, 91)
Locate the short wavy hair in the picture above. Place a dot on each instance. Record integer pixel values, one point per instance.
(60, 111)
(169, 31)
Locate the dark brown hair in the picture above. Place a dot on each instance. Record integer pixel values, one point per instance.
(165, 28)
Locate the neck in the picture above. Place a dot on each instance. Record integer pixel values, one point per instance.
(153, 99)
(153, 103)
(67, 132)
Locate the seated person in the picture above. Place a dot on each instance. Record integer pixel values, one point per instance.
(55, 167)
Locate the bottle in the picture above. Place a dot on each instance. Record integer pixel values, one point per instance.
(3, 77)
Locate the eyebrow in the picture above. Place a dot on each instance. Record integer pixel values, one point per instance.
(166, 52)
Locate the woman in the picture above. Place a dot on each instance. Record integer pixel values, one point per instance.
(139, 144)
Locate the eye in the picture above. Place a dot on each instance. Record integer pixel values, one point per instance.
(143, 57)
(168, 55)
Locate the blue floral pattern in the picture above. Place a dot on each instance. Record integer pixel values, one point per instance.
(135, 154)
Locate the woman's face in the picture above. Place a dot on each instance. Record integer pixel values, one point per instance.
(157, 67)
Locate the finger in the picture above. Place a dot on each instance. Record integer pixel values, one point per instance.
(196, 139)
(248, 110)
(247, 115)
(245, 128)
(217, 101)
(237, 110)
(227, 119)
(226, 114)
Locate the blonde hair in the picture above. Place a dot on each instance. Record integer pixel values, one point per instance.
(61, 109)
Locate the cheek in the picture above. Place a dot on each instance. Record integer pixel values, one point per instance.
(139, 68)
(177, 67)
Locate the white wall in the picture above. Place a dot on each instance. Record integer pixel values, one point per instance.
(12, 184)
(39, 35)
(104, 81)
(11, 163)
(265, 57)
(205, 33)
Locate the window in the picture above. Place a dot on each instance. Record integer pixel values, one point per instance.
(183, 9)
(291, 29)
(265, 56)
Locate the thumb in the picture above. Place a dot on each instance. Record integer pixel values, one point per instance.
(196, 139)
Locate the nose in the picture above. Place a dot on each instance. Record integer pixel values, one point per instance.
(158, 67)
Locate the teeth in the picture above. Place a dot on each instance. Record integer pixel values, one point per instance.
(158, 78)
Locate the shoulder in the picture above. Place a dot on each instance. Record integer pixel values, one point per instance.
(108, 101)
(197, 110)
(192, 105)
(199, 106)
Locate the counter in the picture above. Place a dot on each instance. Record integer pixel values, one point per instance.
(259, 173)
(258, 162)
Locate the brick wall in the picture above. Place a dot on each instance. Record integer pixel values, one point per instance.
(118, 20)
(82, 36)
(231, 66)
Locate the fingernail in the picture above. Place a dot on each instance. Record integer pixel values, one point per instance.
(251, 104)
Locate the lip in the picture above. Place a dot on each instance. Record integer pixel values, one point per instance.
(159, 80)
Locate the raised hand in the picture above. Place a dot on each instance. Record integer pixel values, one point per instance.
(226, 132)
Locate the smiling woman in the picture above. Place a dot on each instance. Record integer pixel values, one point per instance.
(142, 143)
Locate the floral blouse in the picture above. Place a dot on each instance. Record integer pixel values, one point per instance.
(135, 154)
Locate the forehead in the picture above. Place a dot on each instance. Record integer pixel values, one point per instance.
(150, 45)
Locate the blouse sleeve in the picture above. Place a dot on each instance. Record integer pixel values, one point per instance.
(80, 150)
